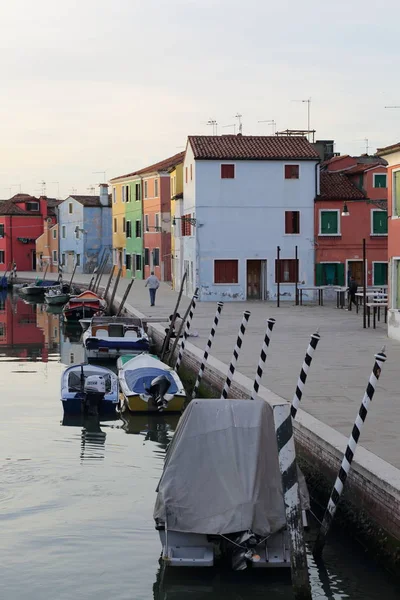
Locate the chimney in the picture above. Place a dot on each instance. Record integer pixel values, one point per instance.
(104, 194)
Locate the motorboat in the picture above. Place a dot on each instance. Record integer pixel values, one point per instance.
(87, 304)
(149, 385)
(111, 337)
(58, 294)
(220, 493)
(37, 288)
(85, 323)
(89, 389)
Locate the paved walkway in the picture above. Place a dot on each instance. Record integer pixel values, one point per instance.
(341, 366)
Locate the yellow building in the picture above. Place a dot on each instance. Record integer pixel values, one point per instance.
(176, 186)
(120, 196)
(47, 248)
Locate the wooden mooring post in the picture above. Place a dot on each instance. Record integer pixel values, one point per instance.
(188, 323)
(303, 373)
(263, 357)
(348, 456)
(207, 349)
(291, 496)
(173, 320)
(235, 355)
(72, 276)
(108, 283)
(100, 273)
(114, 290)
(125, 296)
(182, 325)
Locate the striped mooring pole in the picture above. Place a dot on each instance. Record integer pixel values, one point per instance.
(348, 456)
(220, 306)
(263, 357)
(186, 332)
(291, 496)
(236, 350)
(303, 373)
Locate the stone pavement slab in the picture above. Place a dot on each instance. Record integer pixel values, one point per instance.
(340, 369)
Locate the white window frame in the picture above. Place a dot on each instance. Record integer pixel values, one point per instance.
(394, 216)
(138, 237)
(114, 195)
(373, 183)
(55, 233)
(115, 225)
(145, 189)
(124, 225)
(2, 252)
(284, 223)
(55, 257)
(140, 193)
(3, 235)
(124, 257)
(372, 223)
(291, 164)
(141, 261)
(63, 232)
(156, 191)
(70, 208)
(378, 262)
(157, 222)
(78, 260)
(225, 258)
(146, 223)
(63, 259)
(336, 210)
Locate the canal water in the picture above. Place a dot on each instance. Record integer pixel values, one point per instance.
(76, 499)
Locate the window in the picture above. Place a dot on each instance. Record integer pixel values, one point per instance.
(396, 194)
(186, 174)
(329, 222)
(138, 229)
(70, 208)
(156, 188)
(292, 221)
(114, 195)
(173, 186)
(158, 226)
(146, 222)
(115, 260)
(396, 283)
(124, 224)
(186, 228)
(54, 256)
(138, 194)
(156, 257)
(380, 273)
(380, 180)
(379, 222)
(2, 330)
(78, 260)
(128, 229)
(329, 274)
(146, 256)
(63, 259)
(128, 261)
(123, 257)
(77, 232)
(1, 230)
(226, 271)
(32, 206)
(191, 173)
(292, 171)
(138, 260)
(227, 171)
(54, 234)
(63, 232)
(145, 189)
(115, 225)
(286, 269)
(125, 193)
(2, 257)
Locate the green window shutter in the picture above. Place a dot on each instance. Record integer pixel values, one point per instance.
(329, 222)
(379, 222)
(380, 273)
(398, 284)
(380, 181)
(319, 274)
(340, 274)
(396, 193)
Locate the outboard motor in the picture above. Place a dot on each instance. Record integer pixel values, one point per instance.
(158, 390)
(95, 390)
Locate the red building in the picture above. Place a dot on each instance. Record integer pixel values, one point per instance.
(356, 186)
(19, 334)
(21, 223)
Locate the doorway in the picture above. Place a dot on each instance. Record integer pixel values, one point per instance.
(355, 269)
(70, 262)
(33, 260)
(256, 280)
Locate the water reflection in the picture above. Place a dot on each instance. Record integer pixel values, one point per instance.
(157, 428)
(93, 438)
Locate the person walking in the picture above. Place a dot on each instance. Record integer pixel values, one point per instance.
(353, 287)
(153, 284)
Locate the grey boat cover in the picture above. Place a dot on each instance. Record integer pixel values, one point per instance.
(221, 472)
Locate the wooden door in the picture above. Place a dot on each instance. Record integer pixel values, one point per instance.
(254, 280)
(356, 270)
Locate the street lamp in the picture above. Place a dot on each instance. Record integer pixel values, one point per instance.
(345, 211)
(190, 220)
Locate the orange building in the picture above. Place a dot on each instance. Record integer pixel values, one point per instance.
(47, 248)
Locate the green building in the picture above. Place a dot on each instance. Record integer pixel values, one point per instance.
(134, 230)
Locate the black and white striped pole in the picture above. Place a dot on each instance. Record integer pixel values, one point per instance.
(304, 372)
(263, 357)
(186, 332)
(208, 348)
(291, 496)
(348, 456)
(236, 350)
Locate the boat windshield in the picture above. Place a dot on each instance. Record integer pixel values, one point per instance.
(74, 380)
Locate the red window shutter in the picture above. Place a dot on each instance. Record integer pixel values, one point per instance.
(291, 171)
(227, 171)
(288, 221)
(182, 227)
(226, 271)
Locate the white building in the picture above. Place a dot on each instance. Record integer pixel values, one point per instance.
(243, 197)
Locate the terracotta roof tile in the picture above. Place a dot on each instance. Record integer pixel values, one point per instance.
(8, 207)
(90, 201)
(163, 165)
(337, 186)
(361, 167)
(388, 149)
(249, 147)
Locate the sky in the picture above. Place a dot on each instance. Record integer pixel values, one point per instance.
(97, 85)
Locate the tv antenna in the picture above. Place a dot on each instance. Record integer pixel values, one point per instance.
(214, 124)
(43, 188)
(233, 125)
(73, 190)
(270, 122)
(238, 116)
(308, 102)
(394, 106)
(100, 173)
(367, 146)
(91, 189)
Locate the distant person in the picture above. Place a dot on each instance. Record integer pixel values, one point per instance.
(153, 284)
(353, 287)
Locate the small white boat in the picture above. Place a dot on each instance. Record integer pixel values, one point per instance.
(149, 385)
(111, 337)
(57, 295)
(85, 387)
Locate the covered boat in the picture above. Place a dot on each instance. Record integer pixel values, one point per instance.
(87, 304)
(115, 336)
(58, 294)
(149, 385)
(39, 287)
(88, 388)
(221, 488)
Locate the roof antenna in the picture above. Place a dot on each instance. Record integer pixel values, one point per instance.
(233, 125)
(214, 124)
(91, 189)
(270, 122)
(238, 116)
